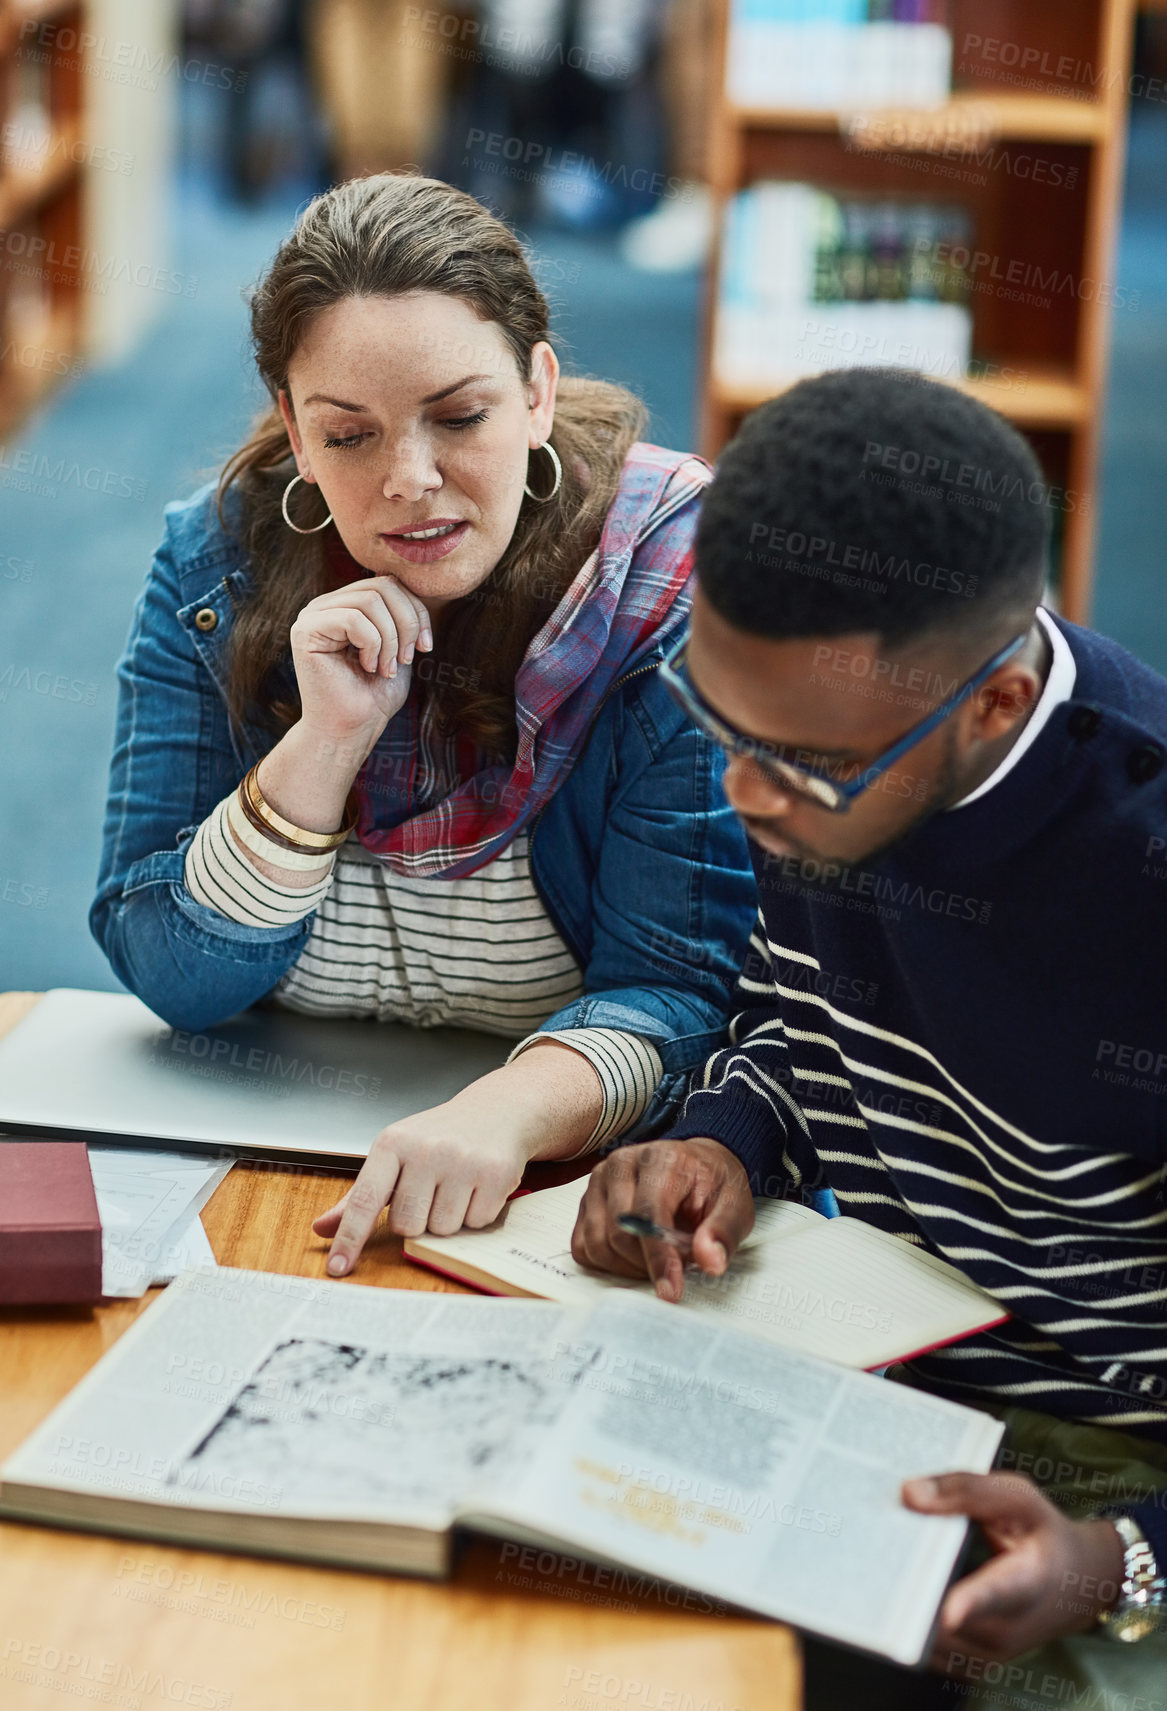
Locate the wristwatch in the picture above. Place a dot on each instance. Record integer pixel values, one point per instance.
(1141, 1609)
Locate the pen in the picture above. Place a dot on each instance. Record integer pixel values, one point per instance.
(635, 1225)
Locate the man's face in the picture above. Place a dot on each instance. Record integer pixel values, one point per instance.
(841, 700)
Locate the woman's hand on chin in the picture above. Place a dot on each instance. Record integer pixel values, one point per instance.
(353, 651)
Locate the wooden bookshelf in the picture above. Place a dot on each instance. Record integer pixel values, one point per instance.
(1033, 118)
(1057, 356)
(41, 188)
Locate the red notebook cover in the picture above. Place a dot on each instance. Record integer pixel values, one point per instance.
(50, 1230)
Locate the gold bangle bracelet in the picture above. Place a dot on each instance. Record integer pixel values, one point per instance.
(297, 835)
(261, 841)
(276, 839)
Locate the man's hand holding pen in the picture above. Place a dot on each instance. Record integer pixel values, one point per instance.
(695, 1192)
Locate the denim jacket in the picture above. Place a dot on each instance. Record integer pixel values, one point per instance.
(640, 862)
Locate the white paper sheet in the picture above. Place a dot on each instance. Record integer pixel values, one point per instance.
(149, 1204)
(186, 1246)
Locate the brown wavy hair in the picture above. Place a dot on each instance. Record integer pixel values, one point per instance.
(382, 236)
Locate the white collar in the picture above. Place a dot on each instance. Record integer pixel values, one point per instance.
(1059, 686)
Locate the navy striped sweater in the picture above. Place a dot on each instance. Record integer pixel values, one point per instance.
(966, 1039)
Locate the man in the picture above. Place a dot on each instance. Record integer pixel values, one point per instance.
(954, 1010)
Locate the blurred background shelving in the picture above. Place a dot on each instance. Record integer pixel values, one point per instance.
(1039, 356)
(88, 105)
(40, 208)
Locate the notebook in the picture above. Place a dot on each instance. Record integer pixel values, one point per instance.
(833, 1287)
(338, 1423)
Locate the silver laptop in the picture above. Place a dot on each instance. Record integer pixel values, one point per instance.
(100, 1066)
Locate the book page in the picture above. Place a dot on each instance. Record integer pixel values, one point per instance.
(633, 1431)
(251, 1391)
(529, 1246)
(846, 1292)
(767, 1478)
(833, 1287)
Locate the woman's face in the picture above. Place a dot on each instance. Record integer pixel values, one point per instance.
(410, 414)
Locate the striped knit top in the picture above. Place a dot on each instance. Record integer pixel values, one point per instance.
(948, 1037)
(474, 952)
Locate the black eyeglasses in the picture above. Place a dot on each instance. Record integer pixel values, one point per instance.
(776, 764)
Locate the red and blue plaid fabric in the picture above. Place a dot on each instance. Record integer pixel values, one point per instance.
(628, 600)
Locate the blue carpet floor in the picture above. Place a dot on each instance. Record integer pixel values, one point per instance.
(83, 486)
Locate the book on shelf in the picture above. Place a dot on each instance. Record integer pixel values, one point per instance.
(824, 54)
(28, 308)
(27, 129)
(835, 1288)
(332, 1422)
(811, 281)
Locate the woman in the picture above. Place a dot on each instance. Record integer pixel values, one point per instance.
(390, 736)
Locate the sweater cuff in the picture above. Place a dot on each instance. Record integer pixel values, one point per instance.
(751, 1131)
(629, 1068)
(218, 875)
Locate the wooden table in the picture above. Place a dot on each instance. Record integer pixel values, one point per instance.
(119, 1622)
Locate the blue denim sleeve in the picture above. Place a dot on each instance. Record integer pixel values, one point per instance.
(173, 761)
(673, 901)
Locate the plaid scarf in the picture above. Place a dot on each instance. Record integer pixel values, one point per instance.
(626, 602)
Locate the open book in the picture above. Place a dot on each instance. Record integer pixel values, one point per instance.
(253, 1412)
(833, 1287)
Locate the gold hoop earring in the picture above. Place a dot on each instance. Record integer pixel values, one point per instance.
(542, 498)
(284, 508)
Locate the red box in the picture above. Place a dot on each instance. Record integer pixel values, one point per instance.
(50, 1229)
